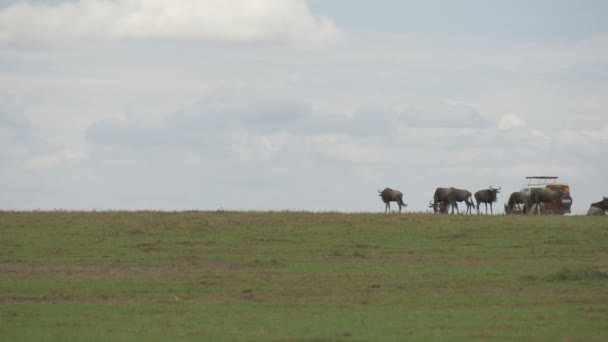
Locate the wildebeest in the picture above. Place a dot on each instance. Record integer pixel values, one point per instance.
(460, 195)
(389, 195)
(441, 200)
(486, 196)
(598, 208)
(443, 207)
(517, 198)
(538, 196)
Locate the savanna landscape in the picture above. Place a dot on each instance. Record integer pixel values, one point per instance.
(301, 276)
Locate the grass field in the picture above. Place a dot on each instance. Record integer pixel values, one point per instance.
(294, 276)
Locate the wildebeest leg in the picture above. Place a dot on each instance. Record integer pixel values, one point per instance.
(491, 212)
(388, 207)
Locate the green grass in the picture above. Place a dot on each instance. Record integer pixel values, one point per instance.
(301, 277)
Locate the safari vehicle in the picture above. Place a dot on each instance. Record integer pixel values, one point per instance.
(560, 204)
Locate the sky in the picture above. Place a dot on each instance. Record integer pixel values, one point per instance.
(297, 105)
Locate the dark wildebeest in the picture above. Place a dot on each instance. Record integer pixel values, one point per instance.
(598, 208)
(441, 198)
(460, 195)
(538, 196)
(389, 195)
(486, 196)
(517, 198)
(443, 207)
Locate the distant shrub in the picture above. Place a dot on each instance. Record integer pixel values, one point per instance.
(529, 277)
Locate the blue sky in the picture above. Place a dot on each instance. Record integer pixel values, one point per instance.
(118, 105)
(517, 19)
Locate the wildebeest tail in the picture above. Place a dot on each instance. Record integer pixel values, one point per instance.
(401, 200)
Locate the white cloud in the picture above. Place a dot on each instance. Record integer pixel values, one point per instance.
(577, 144)
(510, 121)
(208, 20)
(444, 115)
(261, 148)
(540, 136)
(599, 135)
(356, 153)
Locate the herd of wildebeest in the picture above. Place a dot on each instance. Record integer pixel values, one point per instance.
(522, 202)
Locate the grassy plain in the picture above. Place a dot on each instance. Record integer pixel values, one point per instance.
(301, 277)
